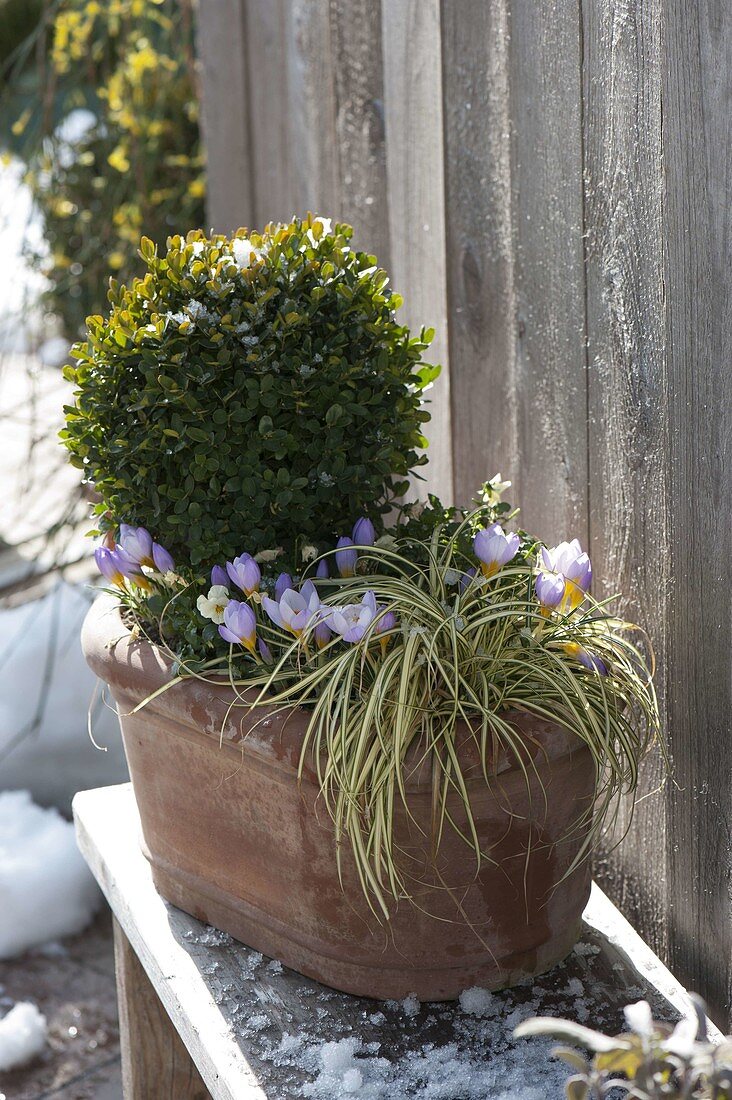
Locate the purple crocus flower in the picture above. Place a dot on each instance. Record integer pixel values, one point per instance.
(322, 571)
(240, 625)
(550, 589)
(162, 559)
(346, 557)
(283, 582)
(589, 660)
(116, 565)
(494, 548)
(245, 573)
(137, 543)
(363, 532)
(352, 620)
(264, 651)
(295, 610)
(569, 560)
(220, 576)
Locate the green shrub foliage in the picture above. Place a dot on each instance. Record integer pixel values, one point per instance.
(249, 393)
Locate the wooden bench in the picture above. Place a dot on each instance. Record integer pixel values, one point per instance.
(202, 1015)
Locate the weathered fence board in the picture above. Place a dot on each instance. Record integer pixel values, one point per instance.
(697, 126)
(544, 74)
(550, 186)
(415, 179)
(481, 308)
(627, 391)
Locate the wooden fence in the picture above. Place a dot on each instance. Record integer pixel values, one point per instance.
(550, 186)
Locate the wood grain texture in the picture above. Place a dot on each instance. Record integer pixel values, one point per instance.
(481, 302)
(628, 393)
(221, 44)
(274, 148)
(549, 371)
(697, 127)
(358, 82)
(155, 1061)
(415, 176)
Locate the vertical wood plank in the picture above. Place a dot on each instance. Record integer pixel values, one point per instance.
(315, 165)
(356, 54)
(550, 370)
(334, 59)
(221, 44)
(481, 306)
(273, 150)
(628, 399)
(415, 176)
(155, 1062)
(697, 93)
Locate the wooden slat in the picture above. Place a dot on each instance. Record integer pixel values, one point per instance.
(415, 174)
(628, 402)
(358, 81)
(221, 43)
(307, 57)
(697, 127)
(155, 1061)
(273, 152)
(481, 307)
(550, 375)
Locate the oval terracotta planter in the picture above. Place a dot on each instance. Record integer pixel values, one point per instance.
(234, 840)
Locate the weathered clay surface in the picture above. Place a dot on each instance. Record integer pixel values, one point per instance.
(234, 840)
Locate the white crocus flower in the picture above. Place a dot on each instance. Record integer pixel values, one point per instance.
(213, 606)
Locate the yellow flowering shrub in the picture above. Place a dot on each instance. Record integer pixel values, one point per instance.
(118, 151)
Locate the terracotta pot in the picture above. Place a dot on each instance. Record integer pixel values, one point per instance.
(234, 840)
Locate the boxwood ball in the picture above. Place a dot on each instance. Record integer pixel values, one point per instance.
(248, 393)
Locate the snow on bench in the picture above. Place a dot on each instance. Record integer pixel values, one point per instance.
(247, 1028)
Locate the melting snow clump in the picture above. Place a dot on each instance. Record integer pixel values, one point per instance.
(410, 1005)
(479, 1002)
(23, 1034)
(46, 889)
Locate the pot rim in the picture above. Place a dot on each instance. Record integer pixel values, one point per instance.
(135, 669)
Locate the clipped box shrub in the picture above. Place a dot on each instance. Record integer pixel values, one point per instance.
(249, 392)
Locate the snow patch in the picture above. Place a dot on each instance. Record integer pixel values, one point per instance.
(23, 1034)
(479, 1002)
(46, 889)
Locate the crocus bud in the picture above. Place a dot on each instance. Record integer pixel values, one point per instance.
(107, 565)
(322, 571)
(346, 557)
(363, 532)
(245, 573)
(283, 582)
(322, 634)
(162, 560)
(550, 589)
(220, 576)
